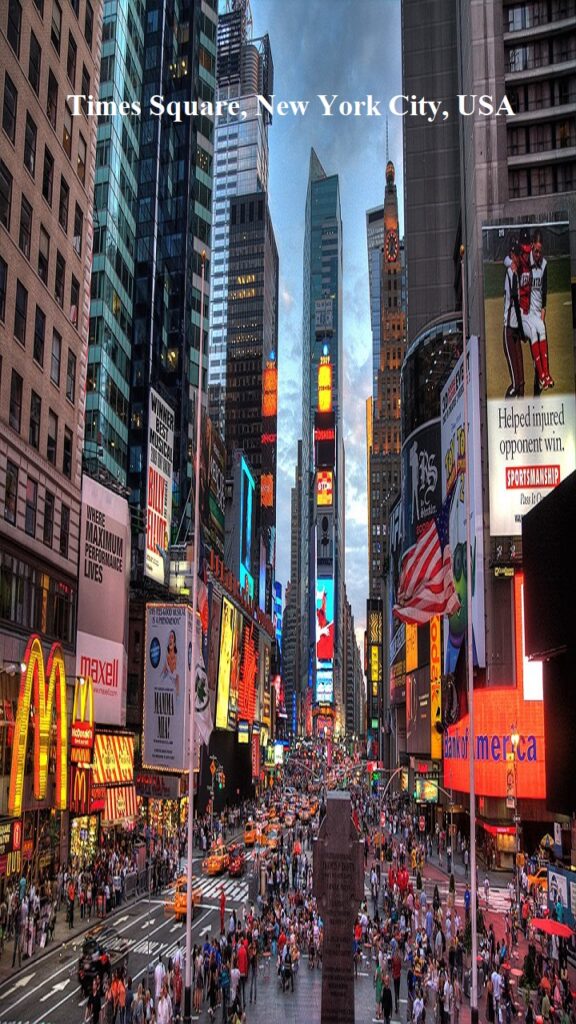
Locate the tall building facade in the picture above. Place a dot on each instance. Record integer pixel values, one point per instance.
(115, 213)
(47, 51)
(173, 230)
(504, 181)
(322, 517)
(375, 244)
(244, 70)
(389, 338)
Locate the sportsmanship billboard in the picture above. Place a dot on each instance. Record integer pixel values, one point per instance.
(531, 405)
(324, 640)
(159, 487)
(455, 463)
(102, 599)
(167, 668)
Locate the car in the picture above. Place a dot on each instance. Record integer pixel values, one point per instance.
(271, 838)
(177, 906)
(104, 950)
(539, 880)
(217, 860)
(237, 861)
(250, 833)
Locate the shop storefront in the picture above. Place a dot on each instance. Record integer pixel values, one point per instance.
(10, 850)
(84, 838)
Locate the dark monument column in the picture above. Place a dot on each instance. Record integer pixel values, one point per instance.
(339, 889)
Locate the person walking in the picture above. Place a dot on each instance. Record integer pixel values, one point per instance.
(378, 989)
(253, 968)
(386, 1000)
(396, 976)
(94, 1004)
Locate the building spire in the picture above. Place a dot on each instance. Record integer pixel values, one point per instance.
(387, 149)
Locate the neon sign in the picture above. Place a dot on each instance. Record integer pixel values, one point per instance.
(33, 685)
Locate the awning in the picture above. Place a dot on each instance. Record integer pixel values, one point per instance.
(121, 804)
(498, 830)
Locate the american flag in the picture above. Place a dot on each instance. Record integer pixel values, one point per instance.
(426, 585)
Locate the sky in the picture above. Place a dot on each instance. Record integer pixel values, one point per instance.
(352, 48)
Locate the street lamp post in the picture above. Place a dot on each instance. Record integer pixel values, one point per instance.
(515, 739)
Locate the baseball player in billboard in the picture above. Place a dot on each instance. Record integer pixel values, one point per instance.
(513, 334)
(535, 320)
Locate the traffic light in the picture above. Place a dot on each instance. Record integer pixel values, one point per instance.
(221, 779)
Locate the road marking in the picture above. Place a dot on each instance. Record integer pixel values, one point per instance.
(58, 987)
(23, 981)
(174, 927)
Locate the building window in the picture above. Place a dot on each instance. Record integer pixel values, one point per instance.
(64, 530)
(56, 25)
(59, 279)
(31, 503)
(15, 418)
(88, 23)
(14, 25)
(5, 195)
(56, 358)
(74, 300)
(67, 131)
(63, 204)
(81, 161)
(52, 439)
(71, 376)
(75, 5)
(48, 176)
(34, 63)
(39, 5)
(30, 145)
(78, 229)
(9, 108)
(11, 495)
(52, 100)
(3, 284)
(85, 90)
(43, 255)
(67, 453)
(20, 313)
(48, 530)
(35, 414)
(25, 233)
(39, 336)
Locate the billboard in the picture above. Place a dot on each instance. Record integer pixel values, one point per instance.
(102, 599)
(324, 487)
(531, 406)
(425, 791)
(167, 667)
(397, 635)
(229, 666)
(418, 711)
(455, 464)
(422, 493)
(113, 758)
(324, 640)
(247, 490)
(248, 681)
(159, 487)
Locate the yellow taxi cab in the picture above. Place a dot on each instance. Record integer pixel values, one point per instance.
(271, 838)
(217, 860)
(539, 880)
(250, 833)
(177, 905)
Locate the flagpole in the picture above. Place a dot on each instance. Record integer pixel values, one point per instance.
(470, 658)
(192, 688)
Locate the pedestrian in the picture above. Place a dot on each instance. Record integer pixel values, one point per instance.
(159, 975)
(386, 1000)
(164, 1007)
(487, 890)
(378, 989)
(222, 909)
(94, 1004)
(396, 975)
(253, 968)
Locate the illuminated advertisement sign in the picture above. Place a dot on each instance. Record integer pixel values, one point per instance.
(422, 493)
(435, 688)
(10, 847)
(43, 696)
(325, 384)
(267, 490)
(324, 440)
(255, 757)
(103, 586)
(243, 732)
(82, 728)
(374, 649)
(113, 758)
(248, 672)
(323, 317)
(247, 489)
(530, 672)
(324, 640)
(229, 666)
(418, 711)
(397, 636)
(324, 487)
(167, 667)
(270, 389)
(455, 464)
(159, 487)
(531, 407)
(426, 791)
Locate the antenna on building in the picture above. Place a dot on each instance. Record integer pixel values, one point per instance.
(387, 149)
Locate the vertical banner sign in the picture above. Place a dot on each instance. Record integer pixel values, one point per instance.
(224, 664)
(82, 731)
(455, 463)
(255, 756)
(34, 691)
(101, 642)
(435, 688)
(159, 487)
(324, 640)
(167, 673)
(531, 407)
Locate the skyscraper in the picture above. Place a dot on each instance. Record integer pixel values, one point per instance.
(173, 215)
(47, 51)
(115, 213)
(322, 518)
(244, 70)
